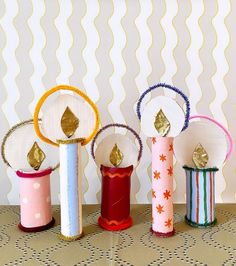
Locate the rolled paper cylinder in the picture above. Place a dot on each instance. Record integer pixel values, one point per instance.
(35, 201)
(162, 186)
(115, 205)
(200, 196)
(70, 189)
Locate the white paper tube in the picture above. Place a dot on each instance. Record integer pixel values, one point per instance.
(70, 190)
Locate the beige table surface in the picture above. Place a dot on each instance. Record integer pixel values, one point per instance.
(134, 246)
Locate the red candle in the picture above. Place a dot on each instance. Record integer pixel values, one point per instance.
(115, 204)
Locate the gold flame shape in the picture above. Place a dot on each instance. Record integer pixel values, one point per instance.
(69, 122)
(35, 156)
(162, 124)
(116, 156)
(200, 156)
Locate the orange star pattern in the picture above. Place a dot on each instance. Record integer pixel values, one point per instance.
(160, 208)
(162, 157)
(154, 140)
(157, 175)
(153, 193)
(170, 171)
(168, 223)
(171, 147)
(167, 194)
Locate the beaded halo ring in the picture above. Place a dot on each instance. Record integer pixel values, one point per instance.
(178, 91)
(119, 126)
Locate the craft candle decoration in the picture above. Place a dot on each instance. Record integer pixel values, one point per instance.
(162, 119)
(117, 156)
(202, 149)
(32, 160)
(69, 122)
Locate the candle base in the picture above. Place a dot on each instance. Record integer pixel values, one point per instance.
(197, 225)
(163, 235)
(70, 238)
(38, 228)
(114, 225)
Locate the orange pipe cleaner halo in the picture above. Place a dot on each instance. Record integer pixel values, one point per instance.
(77, 91)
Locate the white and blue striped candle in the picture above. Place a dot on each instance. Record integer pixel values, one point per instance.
(70, 189)
(200, 196)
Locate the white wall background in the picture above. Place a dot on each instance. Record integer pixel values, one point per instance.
(113, 51)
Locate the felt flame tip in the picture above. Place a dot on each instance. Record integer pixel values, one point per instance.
(200, 156)
(69, 122)
(161, 123)
(35, 156)
(116, 156)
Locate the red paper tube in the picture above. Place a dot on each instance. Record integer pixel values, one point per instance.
(35, 201)
(162, 186)
(115, 203)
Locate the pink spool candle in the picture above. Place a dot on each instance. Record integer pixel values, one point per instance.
(35, 201)
(27, 155)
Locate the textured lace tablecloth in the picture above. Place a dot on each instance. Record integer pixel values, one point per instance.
(134, 246)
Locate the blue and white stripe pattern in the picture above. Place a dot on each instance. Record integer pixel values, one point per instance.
(70, 189)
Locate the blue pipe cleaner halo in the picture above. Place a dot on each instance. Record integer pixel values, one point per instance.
(178, 91)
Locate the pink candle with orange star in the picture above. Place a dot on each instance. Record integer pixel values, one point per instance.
(162, 119)
(162, 186)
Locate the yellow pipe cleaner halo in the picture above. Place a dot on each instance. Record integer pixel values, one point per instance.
(77, 91)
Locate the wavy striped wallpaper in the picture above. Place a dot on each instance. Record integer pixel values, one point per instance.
(115, 50)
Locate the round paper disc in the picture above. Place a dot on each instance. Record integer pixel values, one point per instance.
(51, 119)
(173, 112)
(127, 147)
(209, 135)
(19, 143)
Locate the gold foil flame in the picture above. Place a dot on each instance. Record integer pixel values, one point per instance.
(200, 156)
(162, 124)
(35, 156)
(69, 122)
(116, 156)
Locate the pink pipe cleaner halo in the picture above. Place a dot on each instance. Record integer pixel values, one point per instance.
(230, 139)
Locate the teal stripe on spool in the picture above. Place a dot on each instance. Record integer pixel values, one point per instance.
(191, 194)
(205, 196)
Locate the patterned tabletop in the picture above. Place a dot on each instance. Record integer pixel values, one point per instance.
(134, 246)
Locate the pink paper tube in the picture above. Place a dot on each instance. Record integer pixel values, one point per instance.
(162, 186)
(35, 201)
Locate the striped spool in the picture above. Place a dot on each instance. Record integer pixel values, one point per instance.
(200, 196)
